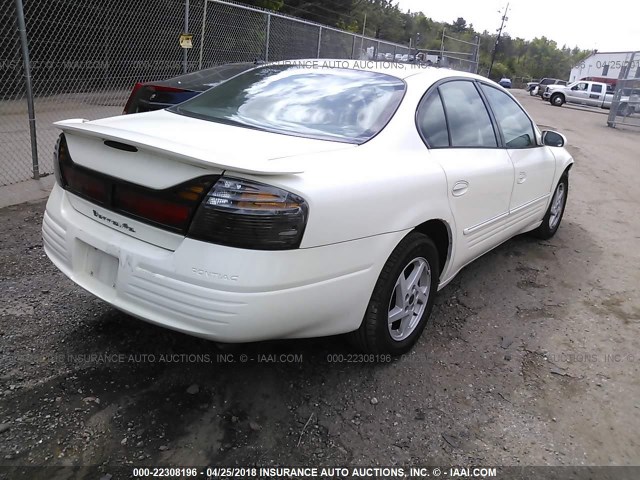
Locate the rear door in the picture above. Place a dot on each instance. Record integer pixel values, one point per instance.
(597, 92)
(479, 173)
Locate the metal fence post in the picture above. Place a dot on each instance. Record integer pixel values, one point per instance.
(22, 30)
(204, 21)
(319, 41)
(266, 43)
(353, 48)
(186, 30)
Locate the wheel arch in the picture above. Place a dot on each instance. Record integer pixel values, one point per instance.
(440, 233)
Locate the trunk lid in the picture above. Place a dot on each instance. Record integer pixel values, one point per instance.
(190, 141)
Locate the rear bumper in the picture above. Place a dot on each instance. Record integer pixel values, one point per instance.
(216, 292)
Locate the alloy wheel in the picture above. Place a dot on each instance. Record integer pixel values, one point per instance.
(409, 298)
(557, 205)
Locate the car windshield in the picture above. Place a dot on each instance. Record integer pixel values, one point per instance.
(327, 103)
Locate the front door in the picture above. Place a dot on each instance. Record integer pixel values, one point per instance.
(534, 165)
(579, 93)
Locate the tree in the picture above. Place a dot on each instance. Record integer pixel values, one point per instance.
(515, 57)
(460, 25)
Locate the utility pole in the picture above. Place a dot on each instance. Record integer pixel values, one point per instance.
(495, 47)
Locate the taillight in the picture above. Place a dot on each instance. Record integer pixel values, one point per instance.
(145, 97)
(246, 214)
(60, 155)
(133, 95)
(162, 88)
(77, 180)
(86, 185)
(171, 208)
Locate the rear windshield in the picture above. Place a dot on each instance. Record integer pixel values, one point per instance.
(204, 79)
(326, 103)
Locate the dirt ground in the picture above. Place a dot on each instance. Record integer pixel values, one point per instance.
(532, 357)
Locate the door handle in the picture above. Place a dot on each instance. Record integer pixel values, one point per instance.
(522, 177)
(460, 188)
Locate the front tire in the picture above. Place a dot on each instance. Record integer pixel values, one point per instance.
(553, 217)
(402, 298)
(557, 100)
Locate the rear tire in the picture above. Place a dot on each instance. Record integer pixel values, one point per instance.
(402, 298)
(553, 217)
(623, 110)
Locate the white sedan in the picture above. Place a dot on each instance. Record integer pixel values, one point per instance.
(302, 199)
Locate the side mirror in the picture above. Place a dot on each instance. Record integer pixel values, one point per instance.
(553, 139)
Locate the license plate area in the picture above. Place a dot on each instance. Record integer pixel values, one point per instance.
(96, 266)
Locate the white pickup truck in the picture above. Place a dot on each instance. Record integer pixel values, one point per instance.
(581, 92)
(594, 94)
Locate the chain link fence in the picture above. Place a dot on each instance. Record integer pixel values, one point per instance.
(86, 55)
(459, 54)
(232, 32)
(625, 106)
(15, 145)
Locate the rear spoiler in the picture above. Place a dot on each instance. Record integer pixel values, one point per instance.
(180, 151)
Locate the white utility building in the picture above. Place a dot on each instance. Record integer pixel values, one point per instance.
(606, 66)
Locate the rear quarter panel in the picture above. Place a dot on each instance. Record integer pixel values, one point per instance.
(388, 184)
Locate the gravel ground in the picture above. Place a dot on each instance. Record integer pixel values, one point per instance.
(532, 357)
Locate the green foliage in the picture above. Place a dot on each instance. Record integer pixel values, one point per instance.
(500, 70)
(515, 57)
(269, 4)
(460, 25)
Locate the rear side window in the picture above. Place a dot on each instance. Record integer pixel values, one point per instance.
(432, 122)
(515, 124)
(467, 116)
(596, 88)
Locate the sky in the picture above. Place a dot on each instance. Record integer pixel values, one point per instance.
(590, 24)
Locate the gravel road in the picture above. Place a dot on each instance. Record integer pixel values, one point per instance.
(532, 357)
